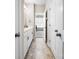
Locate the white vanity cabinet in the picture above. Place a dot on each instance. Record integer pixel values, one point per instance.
(28, 36)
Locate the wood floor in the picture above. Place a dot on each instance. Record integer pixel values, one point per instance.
(39, 50)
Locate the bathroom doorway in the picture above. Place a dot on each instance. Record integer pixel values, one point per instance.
(40, 21)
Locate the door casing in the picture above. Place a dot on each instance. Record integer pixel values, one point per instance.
(19, 28)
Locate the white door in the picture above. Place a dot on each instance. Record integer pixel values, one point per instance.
(59, 27)
(17, 50)
(18, 29)
(59, 45)
(59, 48)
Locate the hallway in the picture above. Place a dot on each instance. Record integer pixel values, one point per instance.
(39, 50)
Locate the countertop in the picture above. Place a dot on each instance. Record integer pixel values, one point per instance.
(27, 29)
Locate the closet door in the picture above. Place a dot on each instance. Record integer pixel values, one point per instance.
(59, 28)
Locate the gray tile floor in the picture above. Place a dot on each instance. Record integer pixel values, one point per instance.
(39, 50)
(39, 34)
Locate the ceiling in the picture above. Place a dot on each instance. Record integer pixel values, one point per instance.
(35, 1)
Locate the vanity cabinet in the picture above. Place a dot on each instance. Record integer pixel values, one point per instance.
(28, 36)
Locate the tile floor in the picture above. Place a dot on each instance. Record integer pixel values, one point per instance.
(39, 34)
(39, 50)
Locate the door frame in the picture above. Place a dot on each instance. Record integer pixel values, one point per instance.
(46, 27)
(19, 17)
(45, 23)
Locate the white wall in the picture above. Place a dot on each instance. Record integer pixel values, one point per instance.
(29, 6)
(39, 8)
(29, 14)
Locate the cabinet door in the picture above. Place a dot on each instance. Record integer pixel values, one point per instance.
(29, 37)
(25, 43)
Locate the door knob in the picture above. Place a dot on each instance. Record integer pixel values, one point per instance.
(17, 35)
(58, 34)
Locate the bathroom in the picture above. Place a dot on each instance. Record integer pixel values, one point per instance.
(41, 28)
